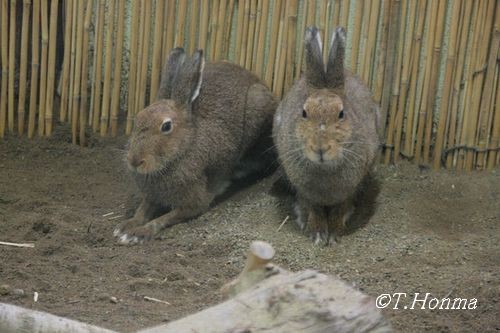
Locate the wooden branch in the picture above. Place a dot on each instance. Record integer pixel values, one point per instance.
(16, 319)
(281, 301)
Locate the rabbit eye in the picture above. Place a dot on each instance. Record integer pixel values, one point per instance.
(341, 114)
(166, 127)
(304, 113)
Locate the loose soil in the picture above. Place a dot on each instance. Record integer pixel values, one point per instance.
(435, 232)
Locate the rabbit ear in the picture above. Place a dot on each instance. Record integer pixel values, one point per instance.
(170, 72)
(315, 68)
(188, 83)
(335, 66)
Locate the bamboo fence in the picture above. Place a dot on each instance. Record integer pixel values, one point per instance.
(433, 66)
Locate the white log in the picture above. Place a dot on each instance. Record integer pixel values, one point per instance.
(14, 319)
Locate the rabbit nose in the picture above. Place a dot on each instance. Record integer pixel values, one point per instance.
(135, 161)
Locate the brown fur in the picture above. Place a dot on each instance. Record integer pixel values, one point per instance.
(186, 168)
(326, 157)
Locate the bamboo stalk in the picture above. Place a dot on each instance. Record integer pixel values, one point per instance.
(5, 67)
(337, 14)
(302, 29)
(256, 35)
(169, 32)
(408, 58)
(78, 71)
(51, 68)
(478, 77)
(391, 58)
(356, 35)
(108, 62)
(72, 71)
(157, 54)
(193, 24)
(43, 67)
(489, 95)
(279, 71)
(202, 38)
(465, 26)
(115, 98)
(344, 18)
(34, 67)
(323, 28)
(219, 33)
(181, 23)
(259, 64)
(228, 28)
(244, 38)
(214, 27)
(291, 42)
(12, 64)
(134, 36)
(414, 80)
(447, 84)
(145, 56)
(137, 91)
(441, 16)
(495, 137)
(251, 33)
(23, 66)
(66, 61)
(396, 79)
(330, 9)
(97, 86)
(382, 57)
(371, 40)
(469, 112)
(85, 76)
(311, 12)
(239, 29)
(273, 45)
(426, 93)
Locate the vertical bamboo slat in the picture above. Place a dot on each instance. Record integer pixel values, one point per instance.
(219, 32)
(382, 56)
(273, 43)
(344, 17)
(12, 64)
(181, 23)
(51, 67)
(244, 38)
(108, 62)
(115, 96)
(5, 67)
(80, 19)
(97, 86)
(193, 24)
(43, 66)
(34, 68)
(144, 54)
(227, 29)
(478, 77)
(356, 35)
(259, 66)
(447, 85)
(85, 76)
(292, 28)
(23, 67)
(157, 40)
(279, 69)
(495, 138)
(72, 71)
(250, 33)
(256, 35)
(134, 36)
(412, 98)
(66, 62)
(202, 38)
(408, 57)
(466, 24)
(487, 107)
(169, 28)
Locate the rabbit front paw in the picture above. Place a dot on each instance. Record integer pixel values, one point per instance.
(137, 235)
(317, 227)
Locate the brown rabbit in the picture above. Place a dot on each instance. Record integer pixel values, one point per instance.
(325, 130)
(186, 146)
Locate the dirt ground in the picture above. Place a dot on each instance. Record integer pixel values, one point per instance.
(435, 232)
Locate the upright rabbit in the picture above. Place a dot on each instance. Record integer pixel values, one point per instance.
(325, 130)
(186, 146)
